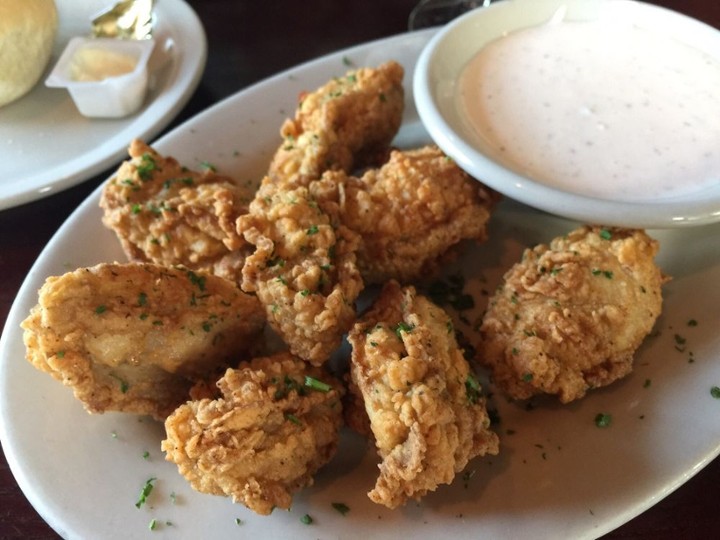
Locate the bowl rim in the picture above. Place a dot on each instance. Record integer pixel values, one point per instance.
(701, 207)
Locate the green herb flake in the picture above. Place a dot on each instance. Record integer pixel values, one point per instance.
(238, 521)
(715, 392)
(100, 309)
(145, 492)
(208, 166)
(60, 354)
(527, 377)
(472, 389)
(142, 299)
(153, 524)
(341, 507)
(603, 420)
(124, 386)
(306, 519)
(605, 234)
(315, 384)
(312, 230)
(146, 167)
(402, 326)
(146, 455)
(305, 292)
(294, 419)
(198, 281)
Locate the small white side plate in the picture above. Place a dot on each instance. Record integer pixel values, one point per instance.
(46, 145)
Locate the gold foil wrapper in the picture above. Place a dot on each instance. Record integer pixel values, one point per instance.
(130, 19)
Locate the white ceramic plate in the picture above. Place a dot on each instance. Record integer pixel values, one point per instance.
(436, 88)
(558, 476)
(46, 145)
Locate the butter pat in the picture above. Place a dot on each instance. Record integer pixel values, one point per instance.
(99, 63)
(27, 33)
(107, 78)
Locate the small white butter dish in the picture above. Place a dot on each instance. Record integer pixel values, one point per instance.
(107, 78)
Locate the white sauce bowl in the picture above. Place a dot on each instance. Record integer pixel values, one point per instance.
(444, 59)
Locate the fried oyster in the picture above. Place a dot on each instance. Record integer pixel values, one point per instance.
(426, 412)
(303, 269)
(570, 316)
(134, 337)
(342, 125)
(410, 213)
(168, 214)
(274, 423)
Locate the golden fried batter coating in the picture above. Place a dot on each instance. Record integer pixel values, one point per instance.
(570, 315)
(303, 269)
(165, 213)
(424, 404)
(132, 337)
(410, 213)
(263, 438)
(341, 125)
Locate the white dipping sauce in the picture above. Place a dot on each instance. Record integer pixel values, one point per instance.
(598, 108)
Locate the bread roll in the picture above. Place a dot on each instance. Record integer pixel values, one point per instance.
(27, 33)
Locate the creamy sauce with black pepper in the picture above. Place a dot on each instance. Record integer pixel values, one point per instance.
(598, 108)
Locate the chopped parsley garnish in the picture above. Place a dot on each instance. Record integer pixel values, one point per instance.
(238, 521)
(605, 234)
(60, 354)
(288, 385)
(597, 272)
(124, 386)
(715, 392)
(146, 167)
(146, 455)
(294, 419)
(145, 492)
(603, 420)
(312, 230)
(142, 299)
(208, 166)
(316, 384)
(153, 524)
(402, 326)
(100, 309)
(472, 389)
(527, 377)
(341, 507)
(199, 281)
(306, 519)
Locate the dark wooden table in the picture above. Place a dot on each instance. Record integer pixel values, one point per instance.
(248, 41)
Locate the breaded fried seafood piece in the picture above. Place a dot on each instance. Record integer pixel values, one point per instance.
(341, 125)
(303, 270)
(570, 316)
(274, 424)
(410, 213)
(133, 337)
(426, 412)
(165, 213)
